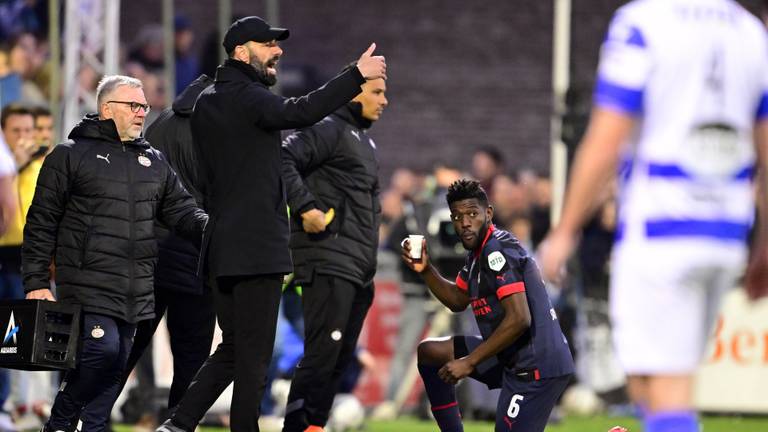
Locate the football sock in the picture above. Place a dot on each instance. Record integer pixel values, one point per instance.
(672, 421)
(442, 397)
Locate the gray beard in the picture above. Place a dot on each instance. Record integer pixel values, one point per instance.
(261, 71)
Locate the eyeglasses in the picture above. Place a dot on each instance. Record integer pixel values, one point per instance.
(135, 106)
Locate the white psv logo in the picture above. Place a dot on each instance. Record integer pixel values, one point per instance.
(106, 158)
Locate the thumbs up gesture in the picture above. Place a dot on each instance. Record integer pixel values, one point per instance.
(370, 66)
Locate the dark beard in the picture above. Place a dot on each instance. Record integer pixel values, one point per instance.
(261, 71)
(479, 237)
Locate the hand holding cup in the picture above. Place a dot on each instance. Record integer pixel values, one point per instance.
(414, 252)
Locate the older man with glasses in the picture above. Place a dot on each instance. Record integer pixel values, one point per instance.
(98, 196)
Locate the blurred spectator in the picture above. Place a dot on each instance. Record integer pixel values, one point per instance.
(391, 210)
(187, 64)
(88, 78)
(8, 210)
(17, 124)
(43, 129)
(25, 60)
(10, 81)
(509, 201)
(487, 163)
(8, 201)
(405, 182)
(18, 131)
(147, 49)
(520, 227)
(154, 90)
(540, 209)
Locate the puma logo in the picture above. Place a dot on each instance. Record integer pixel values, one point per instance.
(106, 158)
(356, 134)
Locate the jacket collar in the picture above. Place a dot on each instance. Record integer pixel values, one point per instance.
(92, 127)
(235, 70)
(352, 113)
(185, 102)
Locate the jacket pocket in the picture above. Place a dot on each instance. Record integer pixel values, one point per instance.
(84, 247)
(333, 229)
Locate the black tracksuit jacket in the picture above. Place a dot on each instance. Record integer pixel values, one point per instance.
(94, 212)
(172, 135)
(333, 164)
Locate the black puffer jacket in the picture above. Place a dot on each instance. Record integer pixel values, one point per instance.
(172, 135)
(333, 164)
(93, 212)
(236, 127)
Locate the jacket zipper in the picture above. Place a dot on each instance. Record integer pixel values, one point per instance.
(131, 222)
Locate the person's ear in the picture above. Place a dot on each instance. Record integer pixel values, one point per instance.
(489, 212)
(242, 53)
(105, 111)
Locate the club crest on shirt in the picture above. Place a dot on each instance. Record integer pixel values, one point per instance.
(97, 332)
(143, 160)
(496, 260)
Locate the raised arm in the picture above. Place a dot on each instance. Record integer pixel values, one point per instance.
(449, 294)
(278, 113)
(593, 168)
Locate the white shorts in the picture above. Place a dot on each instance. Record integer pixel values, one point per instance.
(665, 296)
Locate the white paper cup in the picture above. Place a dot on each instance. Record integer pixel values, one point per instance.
(415, 241)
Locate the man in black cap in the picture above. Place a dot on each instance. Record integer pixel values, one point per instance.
(236, 128)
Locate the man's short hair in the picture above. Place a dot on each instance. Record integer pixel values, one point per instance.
(13, 109)
(463, 189)
(109, 83)
(41, 111)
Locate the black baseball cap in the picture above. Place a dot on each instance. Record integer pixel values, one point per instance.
(251, 28)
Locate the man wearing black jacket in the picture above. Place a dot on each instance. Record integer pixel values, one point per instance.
(236, 128)
(178, 290)
(94, 210)
(332, 165)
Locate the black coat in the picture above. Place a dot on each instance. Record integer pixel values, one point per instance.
(94, 211)
(333, 165)
(236, 127)
(171, 134)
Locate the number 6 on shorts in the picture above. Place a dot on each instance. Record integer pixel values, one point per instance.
(514, 408)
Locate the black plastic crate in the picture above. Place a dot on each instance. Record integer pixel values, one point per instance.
(39, 334)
